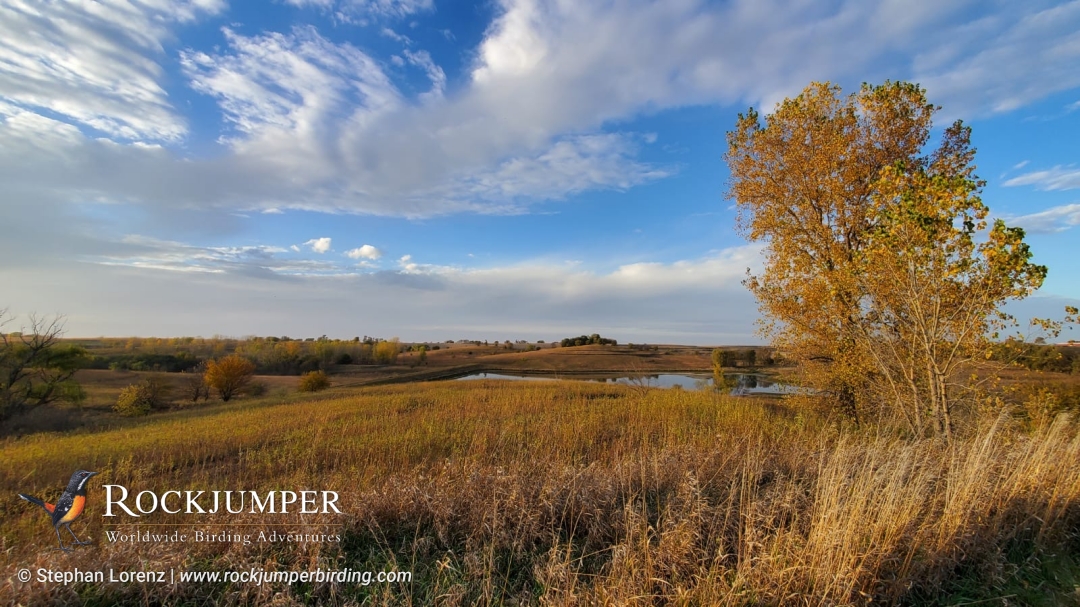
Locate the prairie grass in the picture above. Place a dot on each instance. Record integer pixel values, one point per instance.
(569, 493)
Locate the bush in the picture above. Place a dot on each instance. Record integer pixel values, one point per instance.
(313, 382)
(141, 398)
(131, 402)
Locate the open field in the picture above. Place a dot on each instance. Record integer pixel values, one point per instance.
(570, 493)
(102, 386)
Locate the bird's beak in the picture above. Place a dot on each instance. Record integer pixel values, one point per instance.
(92, 474)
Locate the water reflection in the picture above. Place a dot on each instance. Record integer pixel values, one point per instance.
(740, 384)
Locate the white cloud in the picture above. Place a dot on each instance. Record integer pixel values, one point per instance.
(294, 248)
(358, 10)
(1056, 219)
(541, 114)
(202, 289)
(434, 73)
(365, 252)
(569, 166)
(94, 63)
(1021, 164)
(391, 34)
(297, 84)
(273, 211)
(319, 245)
(1013, 55)
(1057, 178)
(394, 8)
(323, 4)
(137, 251)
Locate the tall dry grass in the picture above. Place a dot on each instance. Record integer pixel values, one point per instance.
(577, 494)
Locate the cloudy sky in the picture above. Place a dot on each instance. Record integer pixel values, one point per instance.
(499, 170)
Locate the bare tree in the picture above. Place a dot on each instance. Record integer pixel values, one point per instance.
(35, 368)
(195, 385)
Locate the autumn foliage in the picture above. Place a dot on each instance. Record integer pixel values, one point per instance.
(228, 375)
(875, 279)
(313, 382)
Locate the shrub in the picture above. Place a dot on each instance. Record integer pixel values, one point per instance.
(141, 398)
(313, 382)
(131, 402)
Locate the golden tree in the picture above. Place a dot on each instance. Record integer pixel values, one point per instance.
(802, 183)
(932, 292)
(841, 195)
(228, 374)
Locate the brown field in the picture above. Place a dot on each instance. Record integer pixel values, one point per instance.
(558, 493)
(569, 493)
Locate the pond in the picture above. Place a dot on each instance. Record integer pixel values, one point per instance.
(740, 384)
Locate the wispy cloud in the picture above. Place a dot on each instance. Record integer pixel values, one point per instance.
(1002, 60)
(95, 64)
(297, 84)
(319, 125)
(435, 74)
(165, 255)
(391, 34)
(1056, 178)
(362, 11)
(1056, 219)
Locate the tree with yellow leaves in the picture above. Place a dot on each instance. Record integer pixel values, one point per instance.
(932, 291)
(872, 276)
(228, 374)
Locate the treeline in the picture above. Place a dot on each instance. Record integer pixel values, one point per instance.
(174, 363)
(270, 355)
(1039, 357)
(587, 340)
(738, 358)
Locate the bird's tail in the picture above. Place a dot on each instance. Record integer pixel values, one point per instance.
(34, 500)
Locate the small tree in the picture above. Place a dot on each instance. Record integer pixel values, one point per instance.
(35, 368)
(141, 398)
(313, 382)
(195, 386)
(422, 357)
(228, 375)
(132, 402)
(721, 358)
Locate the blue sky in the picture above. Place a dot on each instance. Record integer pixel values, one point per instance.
(496, 170)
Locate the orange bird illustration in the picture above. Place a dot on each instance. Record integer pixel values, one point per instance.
(68, 507)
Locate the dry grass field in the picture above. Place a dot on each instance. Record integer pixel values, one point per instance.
(570, 493)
